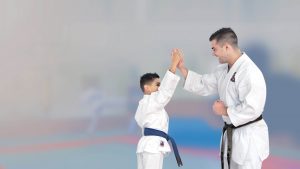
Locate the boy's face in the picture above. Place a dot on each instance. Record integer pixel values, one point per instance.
(153, 86)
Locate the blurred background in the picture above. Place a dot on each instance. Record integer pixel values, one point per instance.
(70, 72)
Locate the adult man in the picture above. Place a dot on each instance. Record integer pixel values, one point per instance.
(242, 94)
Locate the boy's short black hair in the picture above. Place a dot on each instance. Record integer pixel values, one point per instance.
(225, 35)
(147, 78)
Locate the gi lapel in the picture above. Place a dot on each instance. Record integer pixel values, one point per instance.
(232, 73)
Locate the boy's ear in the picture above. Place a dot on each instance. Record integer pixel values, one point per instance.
(146, 88)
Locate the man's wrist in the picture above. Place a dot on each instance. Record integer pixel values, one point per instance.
(182, 69)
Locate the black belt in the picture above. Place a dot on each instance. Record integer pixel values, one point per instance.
(154, 132)
(229, 128)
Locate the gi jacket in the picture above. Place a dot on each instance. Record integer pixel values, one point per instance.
(151, 114)
(243, 90)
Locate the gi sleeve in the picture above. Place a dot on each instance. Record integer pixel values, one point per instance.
(166, 90)
(201, 84)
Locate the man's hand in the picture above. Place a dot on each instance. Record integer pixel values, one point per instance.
(220, 108)
(181, 64)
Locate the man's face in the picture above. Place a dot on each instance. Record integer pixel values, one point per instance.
(153, 86)
(219, 51)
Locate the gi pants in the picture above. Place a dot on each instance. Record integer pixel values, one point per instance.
(147, 160)
(252, 160)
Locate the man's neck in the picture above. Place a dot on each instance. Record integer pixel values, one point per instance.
(236, 55)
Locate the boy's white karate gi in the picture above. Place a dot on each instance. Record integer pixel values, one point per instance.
(243, 91)
(151, 114)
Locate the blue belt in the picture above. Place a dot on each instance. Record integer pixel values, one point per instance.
(154, 132)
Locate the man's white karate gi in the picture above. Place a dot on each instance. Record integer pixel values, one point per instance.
(242, 93)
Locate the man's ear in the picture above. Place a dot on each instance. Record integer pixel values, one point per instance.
(227, 46)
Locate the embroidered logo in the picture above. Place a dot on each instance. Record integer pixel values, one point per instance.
(162, 143)
(233, 77)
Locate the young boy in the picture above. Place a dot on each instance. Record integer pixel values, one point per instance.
(153, 119)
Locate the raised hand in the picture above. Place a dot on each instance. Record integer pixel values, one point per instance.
(180, 65)
(176, 58)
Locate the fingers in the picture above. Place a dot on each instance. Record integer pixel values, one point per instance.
(219, 108)
(177, 51)
(180, 53)
(177, 54)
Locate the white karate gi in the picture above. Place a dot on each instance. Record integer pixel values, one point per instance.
(245, 99)
(151, 114)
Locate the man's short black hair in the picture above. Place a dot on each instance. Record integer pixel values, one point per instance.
(147, 78)
(225, 35)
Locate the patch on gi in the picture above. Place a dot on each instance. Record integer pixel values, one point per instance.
(162, 143)
(233, 77)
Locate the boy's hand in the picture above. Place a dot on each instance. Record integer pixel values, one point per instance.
(177, 55)
(176, 58)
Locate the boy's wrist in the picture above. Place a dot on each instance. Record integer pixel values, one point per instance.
(172, 69)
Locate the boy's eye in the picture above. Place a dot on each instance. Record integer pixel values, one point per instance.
(157, 84)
